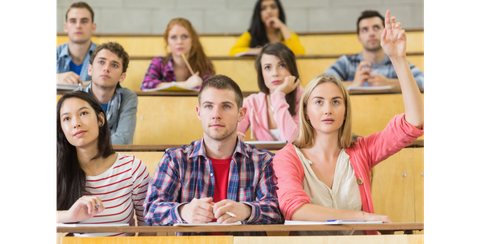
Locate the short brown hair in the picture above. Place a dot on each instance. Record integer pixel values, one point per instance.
(80, 5)
(223, 82)
(114, 48)
(369, 14)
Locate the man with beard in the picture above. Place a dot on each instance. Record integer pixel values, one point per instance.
(370, 67)
(219, 177)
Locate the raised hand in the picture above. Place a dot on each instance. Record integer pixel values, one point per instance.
(394, 39)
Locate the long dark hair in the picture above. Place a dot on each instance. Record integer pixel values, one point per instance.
(257, 27)
(71, 179)
(286, 55)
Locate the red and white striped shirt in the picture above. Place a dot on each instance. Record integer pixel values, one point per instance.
(122, 188)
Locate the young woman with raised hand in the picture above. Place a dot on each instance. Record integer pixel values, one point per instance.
(323, 175)
(267, 26)
(272, 113)
(95, 185)
(182, 39)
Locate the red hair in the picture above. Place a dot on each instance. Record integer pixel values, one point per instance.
(197, 58)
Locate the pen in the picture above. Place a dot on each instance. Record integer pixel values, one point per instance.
(188, 65)
(231, 214)
(96, 206)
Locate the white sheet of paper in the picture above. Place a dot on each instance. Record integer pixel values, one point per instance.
(209, 224)
(93, 225)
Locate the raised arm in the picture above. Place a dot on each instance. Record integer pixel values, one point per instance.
(393, 42)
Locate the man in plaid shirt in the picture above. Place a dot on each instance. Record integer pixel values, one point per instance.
(219, 173)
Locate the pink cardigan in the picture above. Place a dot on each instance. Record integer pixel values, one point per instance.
(364, 154)
(257, 116)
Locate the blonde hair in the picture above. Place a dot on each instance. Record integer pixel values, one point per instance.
(305, 137)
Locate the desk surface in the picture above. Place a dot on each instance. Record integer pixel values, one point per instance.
(247, 228)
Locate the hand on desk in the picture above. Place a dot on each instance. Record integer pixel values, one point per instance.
(240, 210)
(69, 78)
(83, 209)
(203, 210)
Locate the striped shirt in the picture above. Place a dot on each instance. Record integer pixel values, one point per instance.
(346, 66)
(158, 72)
(185, 173)
(122, 189)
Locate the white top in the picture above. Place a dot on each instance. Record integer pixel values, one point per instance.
(275, 134)
(344, 193)
(122, 189)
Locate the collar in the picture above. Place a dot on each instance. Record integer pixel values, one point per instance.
(64, 51)
(199, 149)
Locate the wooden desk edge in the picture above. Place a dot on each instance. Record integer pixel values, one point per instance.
(247, 228)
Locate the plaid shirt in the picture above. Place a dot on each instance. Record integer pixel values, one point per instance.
(64, 59)
(346, 66)
(157, 73)
(185, 173)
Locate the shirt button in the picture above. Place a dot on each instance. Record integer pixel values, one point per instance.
(211, 174)
(360, 181)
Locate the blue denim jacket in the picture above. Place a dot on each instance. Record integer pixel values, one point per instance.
(64, 59)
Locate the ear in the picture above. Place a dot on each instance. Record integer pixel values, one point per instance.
(101, 120)
(90, 70)
(358, 37)
(241, 113)
(197, 108)
(94, 27)
(65, 27)
(122, 77)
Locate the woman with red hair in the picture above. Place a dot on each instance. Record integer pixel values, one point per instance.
(182, 39)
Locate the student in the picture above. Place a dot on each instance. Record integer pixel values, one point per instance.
(272, 113)
(322, 175)
(267, 26)
(181, 38)
(370, 67)
(94, 184)
(200, 182)
(73, 56)
(108, 67)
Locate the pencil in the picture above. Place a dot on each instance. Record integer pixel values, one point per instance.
(188, 65)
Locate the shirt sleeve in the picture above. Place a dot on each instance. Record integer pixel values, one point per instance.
(154, 76)
(287, 124)
(290, 174)
(266, 209)
(377, 147)
(127, 120)
(339, 68)
(294, 44)
(140, 185)
(242, 45)
(160, 207)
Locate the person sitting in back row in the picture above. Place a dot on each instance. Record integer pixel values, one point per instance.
(181, 38)
(73, 56)
(268, 26)
(370, 67)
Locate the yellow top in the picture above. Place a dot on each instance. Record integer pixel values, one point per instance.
(243, 44)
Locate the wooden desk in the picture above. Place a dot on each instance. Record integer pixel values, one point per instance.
(378, 239)
(247, 228)
(162, 148)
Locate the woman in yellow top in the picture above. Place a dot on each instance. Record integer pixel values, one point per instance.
(267, 26)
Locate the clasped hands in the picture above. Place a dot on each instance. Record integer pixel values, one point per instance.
(204, 210)
(364, 74)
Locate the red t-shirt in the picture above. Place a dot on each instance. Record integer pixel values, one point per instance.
(221, 169)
